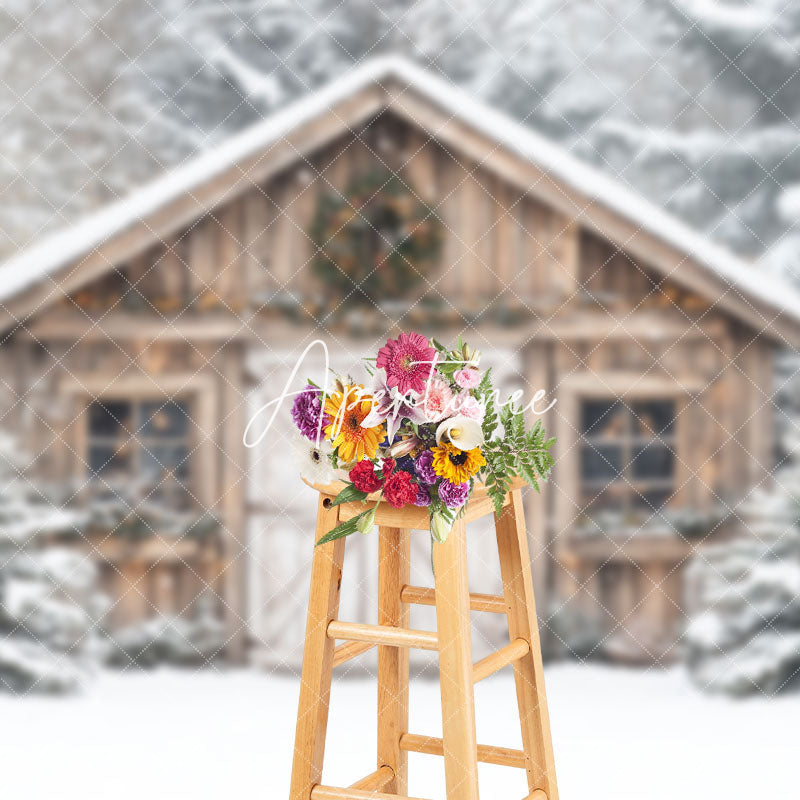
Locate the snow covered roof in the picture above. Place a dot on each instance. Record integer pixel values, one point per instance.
(68, 246)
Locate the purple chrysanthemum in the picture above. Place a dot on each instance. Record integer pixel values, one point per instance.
(453, 495)
(306, 412)
(423, 496)
(423, 466)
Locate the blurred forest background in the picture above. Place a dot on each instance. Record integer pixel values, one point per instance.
(692, 102)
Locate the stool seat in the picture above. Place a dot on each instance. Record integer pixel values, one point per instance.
(452, 641)
(413, 517)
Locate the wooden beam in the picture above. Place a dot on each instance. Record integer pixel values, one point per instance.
(477, 602)
(487, 754)
(315, 683)
(376, 781)
(348, 651)
(332, 793)
(500, 658)
(394, 560)
(455, 665)
(512, 544)
(125, 325)
(383, 635)
(600, 383)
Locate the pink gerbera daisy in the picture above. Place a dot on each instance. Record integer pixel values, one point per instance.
(408, 361)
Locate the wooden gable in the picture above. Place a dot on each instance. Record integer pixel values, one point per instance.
(514, 226)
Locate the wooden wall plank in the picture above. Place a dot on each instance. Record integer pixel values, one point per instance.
(564, 256)
(281, 193)
(536, 282)
(452, 174)
(257, 236)
(203, 258)
(419, 158)
(471, 226)
(507, 255)
(173, 276)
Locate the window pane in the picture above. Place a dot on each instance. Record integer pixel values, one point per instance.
(653, 461)
(109, 419)
(159, 418)
(603, 418)
(109, 460)
(653, 418)
(157, 460)
(600, 463)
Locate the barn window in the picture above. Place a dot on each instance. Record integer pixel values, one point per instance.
(627, 455)
(141, 447)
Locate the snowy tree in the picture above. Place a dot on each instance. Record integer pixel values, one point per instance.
(48, 602)
(75, 132)
(745, 634)
(195, 640)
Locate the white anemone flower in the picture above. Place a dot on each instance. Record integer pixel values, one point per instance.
(313, 462)
(463, 432)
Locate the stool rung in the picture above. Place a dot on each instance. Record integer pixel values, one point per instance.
(345, 652)
(477, 602)
(383, 635)
(499, 659)
(375, 781)
(332, 793)
(537, 794)
(488, 754)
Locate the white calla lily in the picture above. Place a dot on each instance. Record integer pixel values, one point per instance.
(462, 432)
(440, 528)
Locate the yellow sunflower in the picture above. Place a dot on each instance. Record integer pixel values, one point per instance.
(457, 466)
(346, 410)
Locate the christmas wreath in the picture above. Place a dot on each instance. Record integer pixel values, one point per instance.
(375, 241)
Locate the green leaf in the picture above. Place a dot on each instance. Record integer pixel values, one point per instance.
(348, 495)
(343, 529)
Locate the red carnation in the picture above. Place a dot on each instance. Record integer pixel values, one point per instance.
(364, 478)
(399, 490)
(388, 467)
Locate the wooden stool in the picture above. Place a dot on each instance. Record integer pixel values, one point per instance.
(392, 636)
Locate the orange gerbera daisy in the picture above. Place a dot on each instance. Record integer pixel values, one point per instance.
(347, 409)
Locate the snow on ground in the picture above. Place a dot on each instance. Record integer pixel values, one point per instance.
(207, 736)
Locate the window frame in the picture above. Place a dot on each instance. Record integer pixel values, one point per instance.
(199, 389)
(143, 443)
(630, 443)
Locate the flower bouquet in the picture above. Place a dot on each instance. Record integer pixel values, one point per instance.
(430, 426)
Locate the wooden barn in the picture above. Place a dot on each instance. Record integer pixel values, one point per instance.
(137, 343)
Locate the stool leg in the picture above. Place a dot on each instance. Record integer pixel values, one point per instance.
(455, 666)
(394, 553)
(515, 569)
(315, 685)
